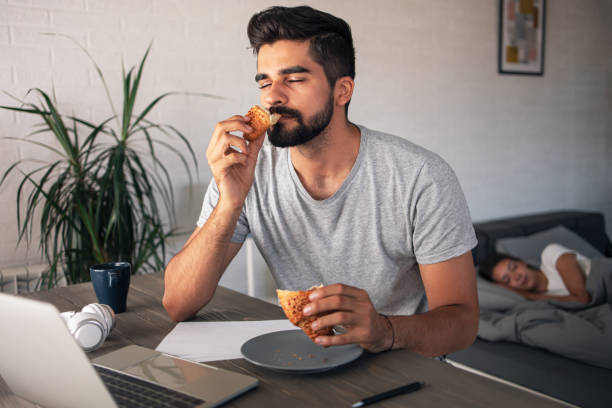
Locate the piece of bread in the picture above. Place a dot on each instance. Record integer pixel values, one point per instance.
(293, 303)
(260, 121)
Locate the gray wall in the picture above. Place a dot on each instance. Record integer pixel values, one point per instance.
(426, 70)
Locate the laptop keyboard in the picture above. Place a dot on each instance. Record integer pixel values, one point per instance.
(128, 391)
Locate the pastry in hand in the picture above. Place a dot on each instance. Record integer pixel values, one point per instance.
(261, 120)
(293, 303)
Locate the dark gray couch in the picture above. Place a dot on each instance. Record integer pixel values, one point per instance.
(537, 369)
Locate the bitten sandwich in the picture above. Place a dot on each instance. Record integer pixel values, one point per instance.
(293, 303)
(261, 120)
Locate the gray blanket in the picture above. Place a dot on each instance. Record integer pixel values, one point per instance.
(577, 331)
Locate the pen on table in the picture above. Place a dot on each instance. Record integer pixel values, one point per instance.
(404, 389)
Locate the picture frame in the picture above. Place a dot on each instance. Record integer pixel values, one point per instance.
(521, 37)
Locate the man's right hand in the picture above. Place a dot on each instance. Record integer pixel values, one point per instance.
(233, 170)
(192, 275)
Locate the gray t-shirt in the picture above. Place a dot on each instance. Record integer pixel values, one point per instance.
(401, 205)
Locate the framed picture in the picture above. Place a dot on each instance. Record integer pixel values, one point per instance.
(521, 36)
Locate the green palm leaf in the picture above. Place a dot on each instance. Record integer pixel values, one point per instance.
(102, 199)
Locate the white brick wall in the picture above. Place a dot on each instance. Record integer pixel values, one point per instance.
(4, 35)
(23, 15)
(426, 70)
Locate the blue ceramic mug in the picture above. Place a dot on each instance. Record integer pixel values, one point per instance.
(111, 282)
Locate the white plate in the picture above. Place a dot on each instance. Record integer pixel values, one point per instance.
(293, 352)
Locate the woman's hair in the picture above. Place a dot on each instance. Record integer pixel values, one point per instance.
(331, 42)
(486, 268)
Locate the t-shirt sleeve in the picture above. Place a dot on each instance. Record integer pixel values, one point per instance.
(211, 198)
(441, 224)
(551, 254)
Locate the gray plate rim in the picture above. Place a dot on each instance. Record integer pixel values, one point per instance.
(353, 352)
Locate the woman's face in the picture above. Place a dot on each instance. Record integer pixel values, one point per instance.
(515, 274)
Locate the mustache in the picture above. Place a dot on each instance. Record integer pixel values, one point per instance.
(283, 110)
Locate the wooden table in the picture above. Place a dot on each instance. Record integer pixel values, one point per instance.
(146, 323)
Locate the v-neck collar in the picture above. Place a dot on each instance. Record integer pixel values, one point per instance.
(345, 184)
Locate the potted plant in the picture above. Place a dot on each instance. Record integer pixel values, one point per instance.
(105, 195)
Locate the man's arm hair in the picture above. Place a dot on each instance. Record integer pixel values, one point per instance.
(192, 275)
(451, 324)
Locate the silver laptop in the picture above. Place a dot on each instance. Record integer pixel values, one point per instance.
(41, 362)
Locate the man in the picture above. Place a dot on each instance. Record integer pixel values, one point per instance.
(378, 220)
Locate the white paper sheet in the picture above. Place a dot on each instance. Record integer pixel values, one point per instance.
(210, 341)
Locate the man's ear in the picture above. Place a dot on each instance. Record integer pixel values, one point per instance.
(343, 90)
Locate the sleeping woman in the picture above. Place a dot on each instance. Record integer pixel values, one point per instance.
(561, 276)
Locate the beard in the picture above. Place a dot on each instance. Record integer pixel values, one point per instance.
(280, 136)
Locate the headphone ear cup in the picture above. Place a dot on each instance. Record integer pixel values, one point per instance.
(92, 308)
(105, 314)
(88, 330)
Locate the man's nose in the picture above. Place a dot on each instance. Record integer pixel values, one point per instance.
(274, 95)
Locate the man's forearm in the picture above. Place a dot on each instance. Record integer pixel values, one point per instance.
(436, 332)
(191, 277)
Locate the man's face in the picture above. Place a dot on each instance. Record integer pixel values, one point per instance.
(295, 86)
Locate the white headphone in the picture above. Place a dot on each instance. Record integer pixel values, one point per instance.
(91, 325)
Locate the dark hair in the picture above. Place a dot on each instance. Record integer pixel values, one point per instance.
(331, 42)
(486, 268)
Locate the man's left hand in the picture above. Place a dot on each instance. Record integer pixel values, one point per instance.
(351, 308)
